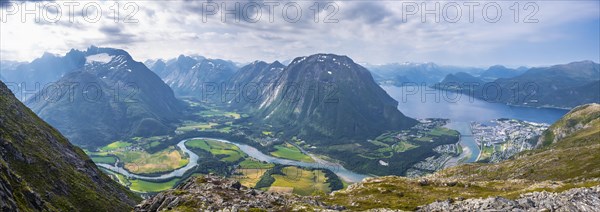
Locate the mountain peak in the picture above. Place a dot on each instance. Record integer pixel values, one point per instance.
(48, 55)
(323, 57)
(93, 50)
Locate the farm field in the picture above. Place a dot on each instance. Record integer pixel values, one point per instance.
(249, 177)
(226, 152)
(142, 186)
(288, 151)
(142, 162)
(304, 182)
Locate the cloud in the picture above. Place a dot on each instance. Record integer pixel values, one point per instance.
(368, 31)
(369, 12)
(115, 34)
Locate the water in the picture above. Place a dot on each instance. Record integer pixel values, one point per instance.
(339, 170)
(441, 104)
(470, 147)
(421, 102)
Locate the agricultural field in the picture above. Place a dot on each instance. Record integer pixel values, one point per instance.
(289, 151)
(403, 146)
(249, 163)
(192, 126)
(216, 113)
(249, 177)
(226, 152)
(303, 182)
(115, 146)
(147, 186)
(142, 162)
(250, 171)
(142, 186)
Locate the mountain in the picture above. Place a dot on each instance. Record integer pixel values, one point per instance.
(110, 97)
(399, 74)
(560, 86)
(25, 79)
(540, 86)
(193, 75)
(253, 83)
(460, 78)
(580, 118)
(499, 71)
(41, 171)
(157, 66)
(325, 97)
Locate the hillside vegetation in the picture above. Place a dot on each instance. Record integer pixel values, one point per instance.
(41, 171)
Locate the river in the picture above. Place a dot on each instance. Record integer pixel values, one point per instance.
(338, 169)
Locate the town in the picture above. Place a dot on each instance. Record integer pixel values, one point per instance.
(500, 139)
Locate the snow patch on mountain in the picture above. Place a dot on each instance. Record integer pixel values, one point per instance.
(98, 58)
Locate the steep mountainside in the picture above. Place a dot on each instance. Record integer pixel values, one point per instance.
(41, 171)
(111, 96)
(191, 76)
(254, 82)
(327, 97)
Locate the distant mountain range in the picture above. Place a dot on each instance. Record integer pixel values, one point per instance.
(101, 95)
(400, 74)
(25, 79)
(499, 71)
(194, 76)
(562, 86)
(324, 96)
(41, 171)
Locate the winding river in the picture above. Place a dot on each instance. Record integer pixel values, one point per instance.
(338, 169)
(413, 104)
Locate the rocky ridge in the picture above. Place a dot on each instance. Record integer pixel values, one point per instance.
(577, 199)
(213, 193)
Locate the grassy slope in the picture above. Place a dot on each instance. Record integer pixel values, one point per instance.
(569, 163)
(38, 161)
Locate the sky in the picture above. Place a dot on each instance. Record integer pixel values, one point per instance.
(468, 33)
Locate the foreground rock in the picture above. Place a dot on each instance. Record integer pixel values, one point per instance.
(214, 193)
(578, 199)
